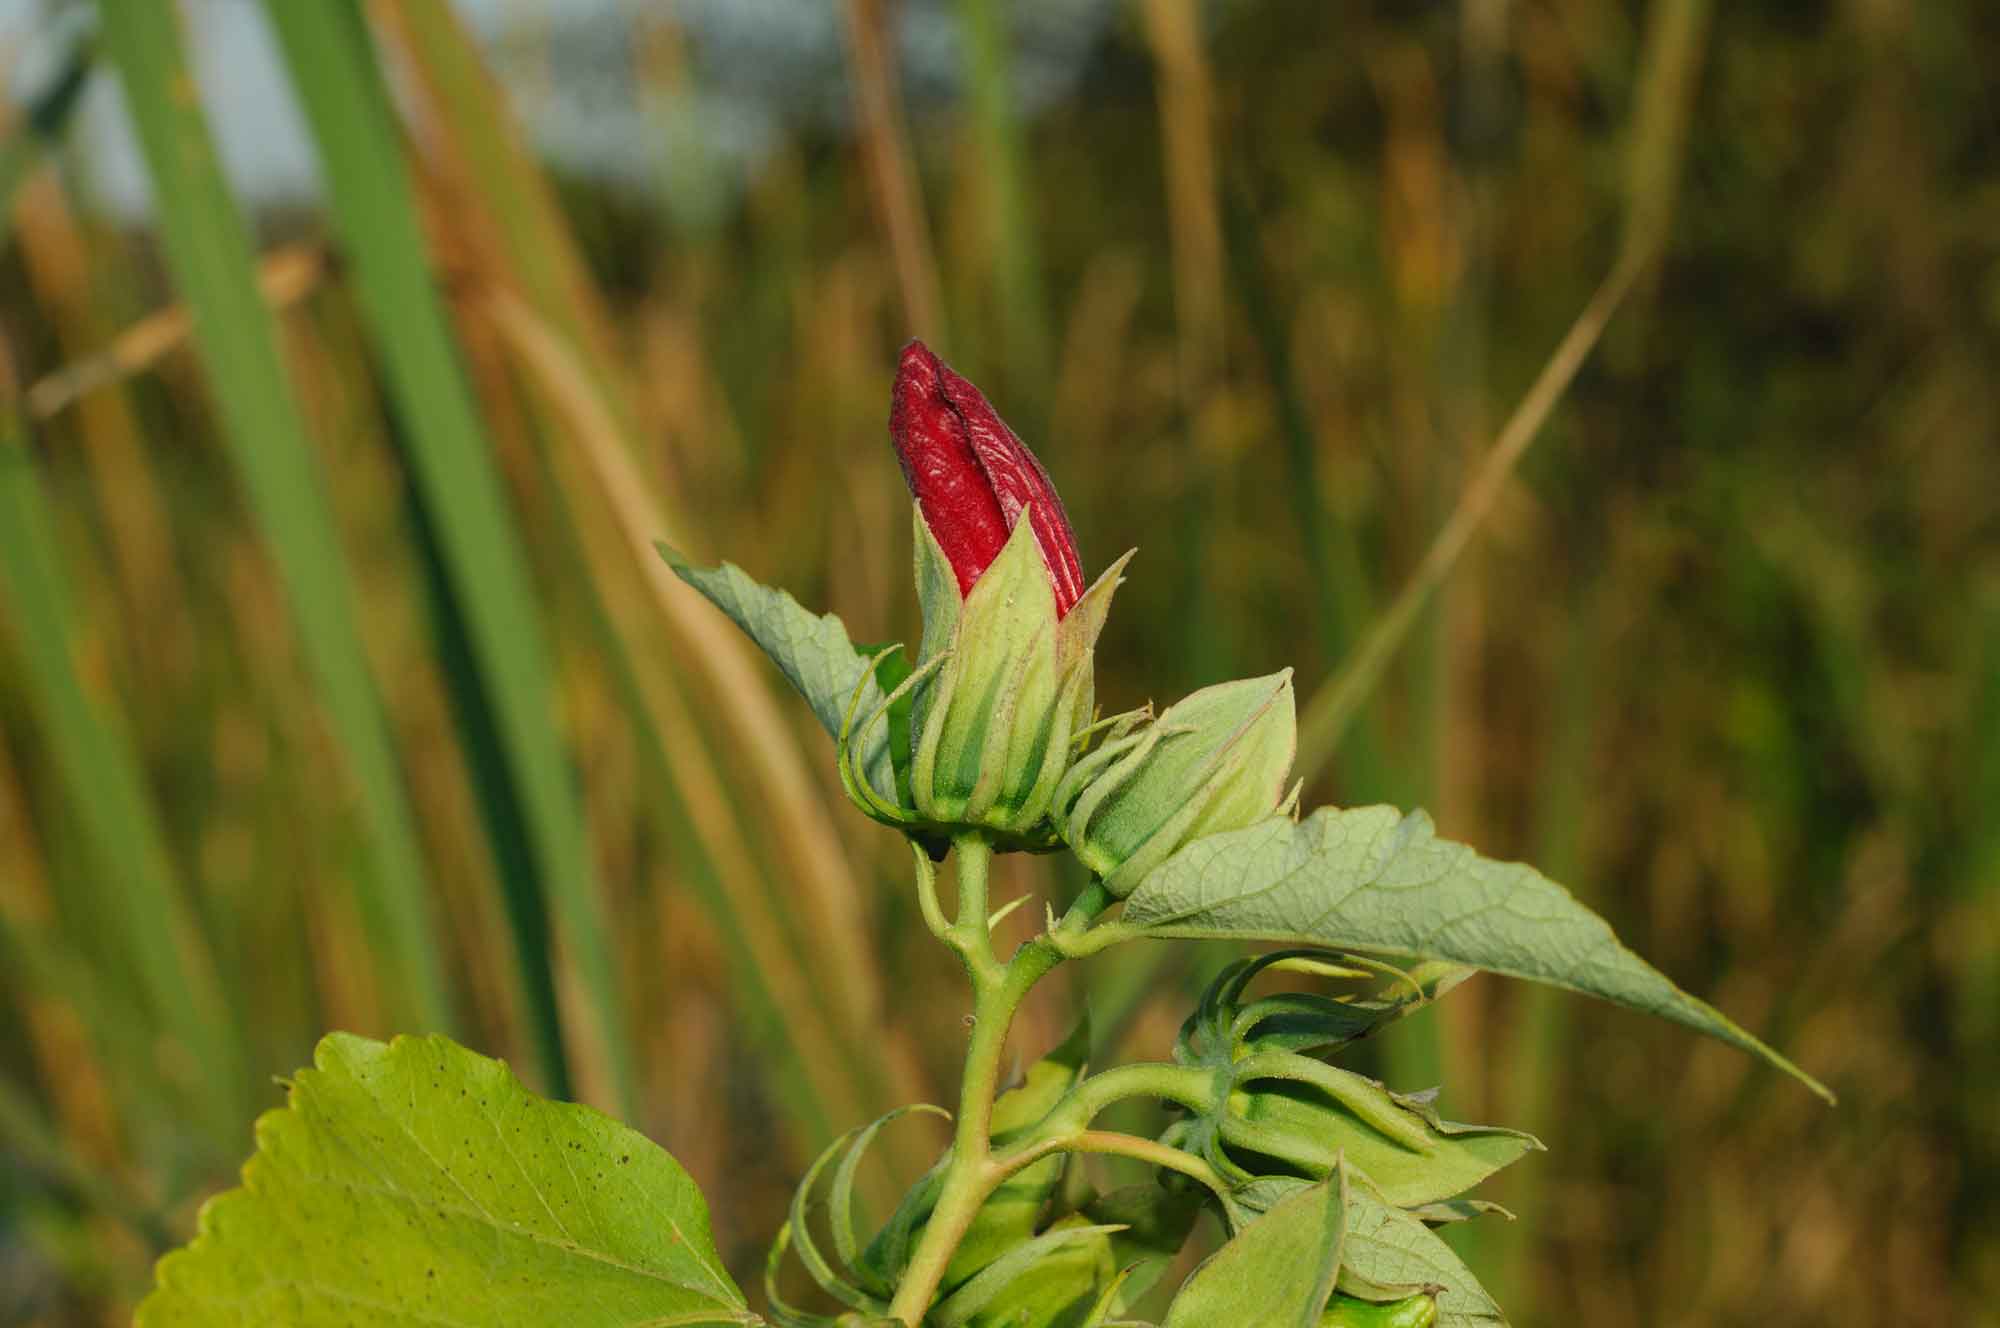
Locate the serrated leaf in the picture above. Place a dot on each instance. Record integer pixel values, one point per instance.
(1373, 880)
(812, 651)
(1386, 1247)
(420, 1183)
(1278, 1272)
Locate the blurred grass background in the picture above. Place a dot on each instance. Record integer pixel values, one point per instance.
(339, 687)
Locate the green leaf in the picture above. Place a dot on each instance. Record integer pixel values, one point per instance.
(1373, 880)
(1386, 1247)
(1278, 1272)
(420, 1183)
(813, 652)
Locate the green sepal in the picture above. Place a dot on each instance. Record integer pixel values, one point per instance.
(798, 1234)
(1345, 1311)
(1411, 1158)
(994, 723)
(1156, 1223)
(1216, 760)
(992, 711)
(1278, 1272)
(892, 669)
(1037, 1284)
(1444, 1212)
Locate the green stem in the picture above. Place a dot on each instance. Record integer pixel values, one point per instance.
(1112, 1143)
(969, 1174)
(1192, 1088)
(970, 1170)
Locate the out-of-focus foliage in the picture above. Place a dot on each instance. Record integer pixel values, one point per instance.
(1258, 283)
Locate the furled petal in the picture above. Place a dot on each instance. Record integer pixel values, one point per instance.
(973, 477)
(935, 448)
(1019, 481)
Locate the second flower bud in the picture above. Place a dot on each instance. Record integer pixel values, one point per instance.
(1215, 761)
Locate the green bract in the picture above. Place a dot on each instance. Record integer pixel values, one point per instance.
(1002, 689)
(1214, 761)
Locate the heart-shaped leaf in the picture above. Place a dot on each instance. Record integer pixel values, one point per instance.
(418, 1182)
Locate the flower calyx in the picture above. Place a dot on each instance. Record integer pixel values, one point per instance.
(1214, 761)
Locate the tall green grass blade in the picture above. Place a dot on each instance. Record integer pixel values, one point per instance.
(501, 814)
(334, 68)
(1010, 221)
(1340, 582)
(209, 253)
(1542, 1022)
(134, 896)
(770, 1021)
(553, 329)
(518, 203)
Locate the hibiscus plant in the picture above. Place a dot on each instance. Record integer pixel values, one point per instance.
(415, 1182)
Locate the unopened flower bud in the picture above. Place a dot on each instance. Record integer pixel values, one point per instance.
(1214, 761)
(973, 477)
(1003, 681)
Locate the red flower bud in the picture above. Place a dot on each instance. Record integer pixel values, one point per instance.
(972, 477)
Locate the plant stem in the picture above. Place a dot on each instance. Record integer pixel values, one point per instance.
(969, 1172)
(1192, 1088)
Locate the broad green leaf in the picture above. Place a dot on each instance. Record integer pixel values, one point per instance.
(1386, 1247)
(1278, 1272)
(813, 652)
(419, 1183)
(1375, 881)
